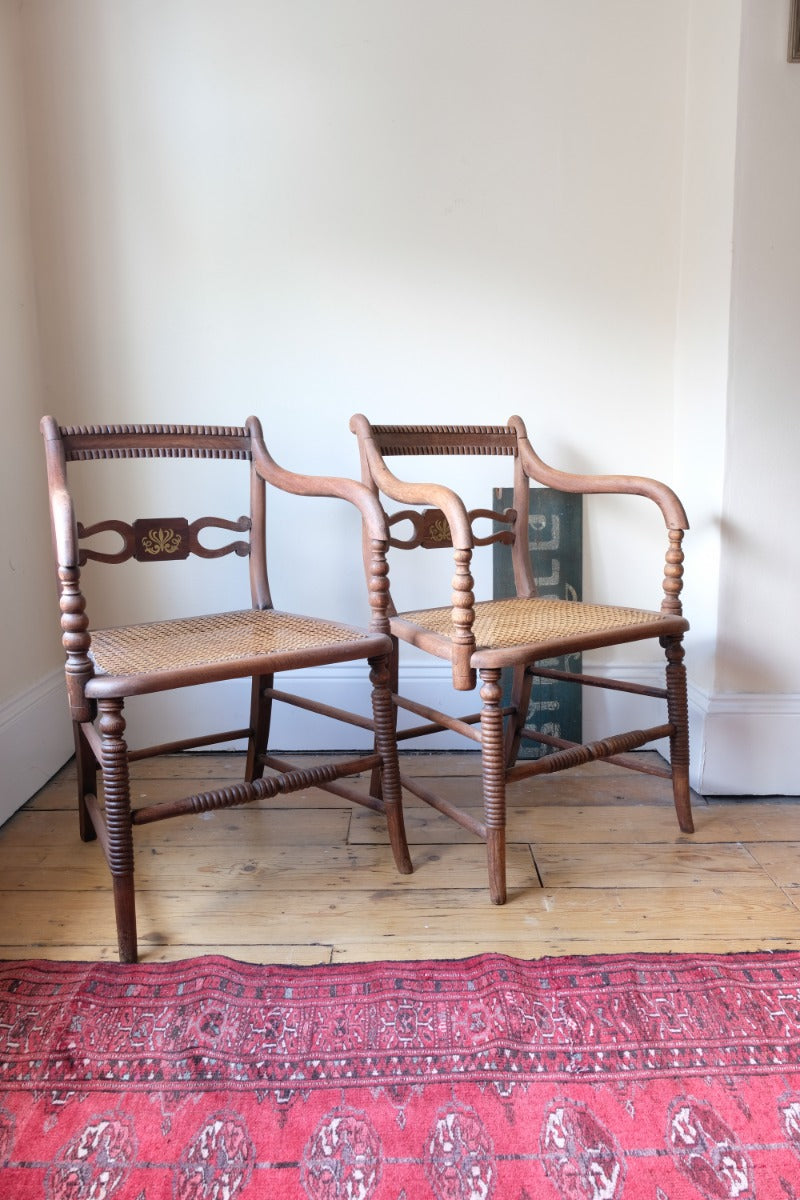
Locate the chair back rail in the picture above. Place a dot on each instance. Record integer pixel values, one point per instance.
(154, 441)
(146, 539)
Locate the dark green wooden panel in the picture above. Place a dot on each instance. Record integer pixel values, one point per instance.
(555, 529)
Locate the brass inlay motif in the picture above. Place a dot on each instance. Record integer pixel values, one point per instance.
(161, 541)
(439, 531)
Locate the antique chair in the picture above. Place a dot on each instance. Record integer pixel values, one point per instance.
(105, 666)
(521, 632)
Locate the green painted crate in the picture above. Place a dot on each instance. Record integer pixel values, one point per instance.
(555, 526)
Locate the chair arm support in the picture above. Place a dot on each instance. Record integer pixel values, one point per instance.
(375, 527)
(64, 531)
(564, 481)
(434, 495)
(298, 484)
(438, 496)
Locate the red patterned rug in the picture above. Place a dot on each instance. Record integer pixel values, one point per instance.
(658, 1076)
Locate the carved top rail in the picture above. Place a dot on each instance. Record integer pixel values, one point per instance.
(445, 439)
(85, 442)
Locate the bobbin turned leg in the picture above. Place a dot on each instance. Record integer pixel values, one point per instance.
(678, 711)
(384, 717)
(494, 782)
(119, 831)
(393, 667)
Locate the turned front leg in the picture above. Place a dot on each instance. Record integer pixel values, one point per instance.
(119, 831)
(494, 783)
(678, 712)
(384, 720)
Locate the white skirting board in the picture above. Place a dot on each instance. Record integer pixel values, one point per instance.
(35, 740)
(741, 744)
(745, 744)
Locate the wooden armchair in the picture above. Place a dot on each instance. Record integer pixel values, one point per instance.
(483, 637)
(105, 666)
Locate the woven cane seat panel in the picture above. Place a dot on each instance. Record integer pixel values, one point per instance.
(206, 641)
(504, 623)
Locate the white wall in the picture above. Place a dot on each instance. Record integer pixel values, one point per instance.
(760, 546)
(306, 210)
(312, 209)
(751, 734)
(704, 300)
(34, 730)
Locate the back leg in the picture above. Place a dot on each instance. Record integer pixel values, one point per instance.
(118, 842)
(521, 685)
(678, 711)
(86, 771)
(260, 718)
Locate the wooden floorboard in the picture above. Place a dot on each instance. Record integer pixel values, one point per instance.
(596, 864)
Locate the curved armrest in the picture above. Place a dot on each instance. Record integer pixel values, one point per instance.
(62, 513)
(434, 495)
(318, 485)
(564, 481)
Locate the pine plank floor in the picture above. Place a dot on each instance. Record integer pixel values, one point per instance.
(596, 864)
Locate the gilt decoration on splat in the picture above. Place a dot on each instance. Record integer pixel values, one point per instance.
(162, 539)
(431, 530)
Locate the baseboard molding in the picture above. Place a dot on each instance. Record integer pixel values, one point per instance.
(35, 740)
(741, 743)
(745, 743)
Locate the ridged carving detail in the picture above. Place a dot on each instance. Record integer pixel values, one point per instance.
(677, 702)
(445, 439)
(116, 788)
(86, 455)
(575, 756)
(175, 430)
(383, 716)
(246, 793)
(82, 453)
(379, 430)
(492, 760)
(391, 794)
